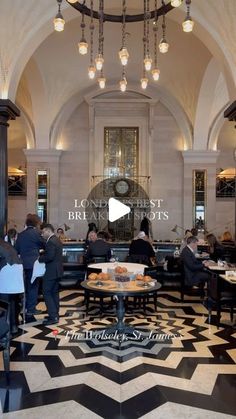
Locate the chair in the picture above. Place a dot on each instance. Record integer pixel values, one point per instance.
(88, 294)
(173, 278)
(74, 274)
(220, 293)
(142, 259)
(143, 300)
(99, 259)
(5, 334)
(152, 272)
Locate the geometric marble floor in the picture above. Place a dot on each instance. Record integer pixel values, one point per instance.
(176, 366)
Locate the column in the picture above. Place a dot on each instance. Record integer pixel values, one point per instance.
(200, 160)
(230, 114)
(44, 160)
(8, 110)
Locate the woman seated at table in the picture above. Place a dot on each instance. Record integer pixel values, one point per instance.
(227, 239)
(141, 251)
(215, 249)
(61, 235)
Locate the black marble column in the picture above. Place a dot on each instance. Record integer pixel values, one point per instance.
(8, 110)
(230, 114)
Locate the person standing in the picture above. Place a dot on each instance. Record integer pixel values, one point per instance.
(11, 281)
(11, 236)
(52, 257)
(28, 244)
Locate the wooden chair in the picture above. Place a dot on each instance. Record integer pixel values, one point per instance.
(88, 294)
(143, 259)
(220, 293)
(99, 259)
(152, 272)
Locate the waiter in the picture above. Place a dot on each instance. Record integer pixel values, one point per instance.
(52, 257)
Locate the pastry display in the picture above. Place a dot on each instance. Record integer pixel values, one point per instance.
(93, 276)
(120, 270)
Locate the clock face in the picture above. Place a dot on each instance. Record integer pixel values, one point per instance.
(121, 187)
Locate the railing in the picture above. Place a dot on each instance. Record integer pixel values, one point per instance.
(17, 185)
(225, 187)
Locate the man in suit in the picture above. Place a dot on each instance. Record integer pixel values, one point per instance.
(53, 260)
(28, 244)
(99, 248)
(193, 268)
(141, 249)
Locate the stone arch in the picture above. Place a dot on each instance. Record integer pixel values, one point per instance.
(32, 41)
(156, 95)
(29, 129)
(43, 29)
(213, 91)
(215, 128)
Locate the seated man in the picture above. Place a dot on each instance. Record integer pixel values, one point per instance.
(99, 248)
(193, 268)
(141, 248)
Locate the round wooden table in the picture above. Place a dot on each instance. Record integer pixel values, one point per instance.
(112, 288)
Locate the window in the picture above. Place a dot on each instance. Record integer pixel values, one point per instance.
(42, 194)
(120, 152)
(199, 199)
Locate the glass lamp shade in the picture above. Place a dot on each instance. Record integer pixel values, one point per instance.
(124, 55)
(144, 82)
(59, 23)
(91, 72)
(83, 47)
(123, 85)
(188, 24)
(102, 82)
(99, 60)
(163, 46)
(147, 63)
(174, 3)
(155, 74)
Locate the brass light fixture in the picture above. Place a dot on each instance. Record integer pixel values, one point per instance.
(58, 21)
(188, 23)
(152, 11)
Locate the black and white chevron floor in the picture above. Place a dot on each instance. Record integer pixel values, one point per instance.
(177, 366)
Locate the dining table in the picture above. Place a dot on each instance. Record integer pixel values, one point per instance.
(111, 288)
(135, 268)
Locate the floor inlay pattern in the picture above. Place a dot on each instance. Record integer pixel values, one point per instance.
(174, 365)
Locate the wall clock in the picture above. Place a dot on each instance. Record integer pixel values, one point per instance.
(122, 187)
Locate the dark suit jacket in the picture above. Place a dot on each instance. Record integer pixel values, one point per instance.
(191, 265)
(8, 254)
(27, 246)
(141, 247)
(53, 259)
(98, 248)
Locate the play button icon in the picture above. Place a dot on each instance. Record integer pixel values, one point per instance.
(116, 209)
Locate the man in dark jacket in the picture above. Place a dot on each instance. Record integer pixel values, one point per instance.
(53, 259)
(193, 268)
(141, 250)
(99, 248)
(28, 244)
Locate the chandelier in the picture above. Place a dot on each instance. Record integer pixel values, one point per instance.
(152, 13)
